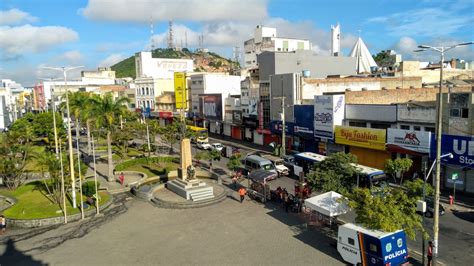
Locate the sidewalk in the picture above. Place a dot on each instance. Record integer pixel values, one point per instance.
(461, 202)
(240, 143)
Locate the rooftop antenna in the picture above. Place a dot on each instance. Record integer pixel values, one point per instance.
(236, 57)
(201, 42)
(170, 35)
(186, 39)
(152, 32)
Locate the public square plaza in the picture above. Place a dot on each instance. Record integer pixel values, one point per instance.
(138, 233)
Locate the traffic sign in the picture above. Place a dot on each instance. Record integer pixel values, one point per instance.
(454, 176)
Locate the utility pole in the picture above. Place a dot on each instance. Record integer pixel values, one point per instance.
(95, 178)
(71, 155)
(439, 132)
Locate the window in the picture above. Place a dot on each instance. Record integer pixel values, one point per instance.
(350, 241)
(430, 129)
(405, 127)
(454, 112)
(379, 125)
(416, 128)
(357, 124)
(373, 248)
(464, 113)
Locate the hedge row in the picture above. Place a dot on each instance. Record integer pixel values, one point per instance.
(145, 160)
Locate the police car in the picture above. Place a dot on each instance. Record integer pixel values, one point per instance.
(361, 246)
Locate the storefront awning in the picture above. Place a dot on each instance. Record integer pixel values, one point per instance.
(399, 149)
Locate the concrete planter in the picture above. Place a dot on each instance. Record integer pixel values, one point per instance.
(32, 223)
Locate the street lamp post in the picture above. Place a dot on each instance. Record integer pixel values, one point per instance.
(71, 155)
(439, 133)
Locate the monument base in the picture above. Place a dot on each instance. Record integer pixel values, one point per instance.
(194, 189)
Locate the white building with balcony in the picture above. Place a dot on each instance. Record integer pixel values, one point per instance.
(265, 39)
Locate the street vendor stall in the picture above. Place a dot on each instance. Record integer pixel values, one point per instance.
(258, 188)
(325, 207)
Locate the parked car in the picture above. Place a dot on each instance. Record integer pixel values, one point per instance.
(289, 162)
(217, 146)
(430, 208)
(204, 145)
(278, 163)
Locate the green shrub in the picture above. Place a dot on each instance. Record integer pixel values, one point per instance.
(88, 188)
(145, 160)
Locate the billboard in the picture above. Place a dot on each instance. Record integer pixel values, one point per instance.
(328, 112)
(304, 120)
(418, 141)
(180, 90)
(237, 117)
(369, 138)
(253, 106)
(212, 106)
(462, 148)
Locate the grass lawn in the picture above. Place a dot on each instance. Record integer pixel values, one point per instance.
(152, 169)
(33, 204)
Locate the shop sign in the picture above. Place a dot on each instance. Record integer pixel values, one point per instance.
(328, 112)
(165, 114)
(237, 117)
(250, 123)
(303, 130)
(212, 106)
(417, 141)
(462, 148)
(180, 90)
(369, 138)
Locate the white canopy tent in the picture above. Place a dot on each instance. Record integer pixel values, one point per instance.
(327, 204)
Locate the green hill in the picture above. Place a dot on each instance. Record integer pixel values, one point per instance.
(205, 62)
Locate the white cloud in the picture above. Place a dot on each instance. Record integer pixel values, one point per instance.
(184, 10)
(407, 45)
(14, 41)
(15, 16)
(111, 60)
(117, 46)
(72, 57)
(428, 22)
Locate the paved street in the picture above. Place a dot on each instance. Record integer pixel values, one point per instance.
(229, 233)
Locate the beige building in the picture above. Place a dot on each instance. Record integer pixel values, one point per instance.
(431, 75)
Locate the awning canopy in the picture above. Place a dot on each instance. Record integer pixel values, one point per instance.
(328, 204)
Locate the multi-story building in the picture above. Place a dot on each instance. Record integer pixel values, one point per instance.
(233, 117)
(265, 39)
(208, 93)
(155, 77)
(249, 103)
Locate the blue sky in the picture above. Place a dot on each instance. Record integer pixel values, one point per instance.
(101, 32)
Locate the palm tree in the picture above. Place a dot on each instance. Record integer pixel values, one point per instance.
(107, 111)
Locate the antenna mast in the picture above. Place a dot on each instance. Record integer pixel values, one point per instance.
(152, 32)
(170, 35)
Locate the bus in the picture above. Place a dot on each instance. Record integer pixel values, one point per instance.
(199, 134)
(369, 177)
(307, 160)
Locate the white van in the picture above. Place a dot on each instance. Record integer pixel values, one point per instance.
(279, 164)
(254, 162)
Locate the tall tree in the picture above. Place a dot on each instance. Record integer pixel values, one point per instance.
(387, 209)
(169, 134)
(107, 112)
(335, 173)
(14, 155)
(398, 167)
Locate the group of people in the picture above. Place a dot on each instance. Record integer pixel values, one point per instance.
(288, 200)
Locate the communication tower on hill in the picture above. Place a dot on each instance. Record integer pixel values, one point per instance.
(170, 35)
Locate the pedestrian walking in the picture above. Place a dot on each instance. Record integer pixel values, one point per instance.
(121, 178)
(430, 253)
(287, 202)
(3, 224)
(234, 181)
(242, 193)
